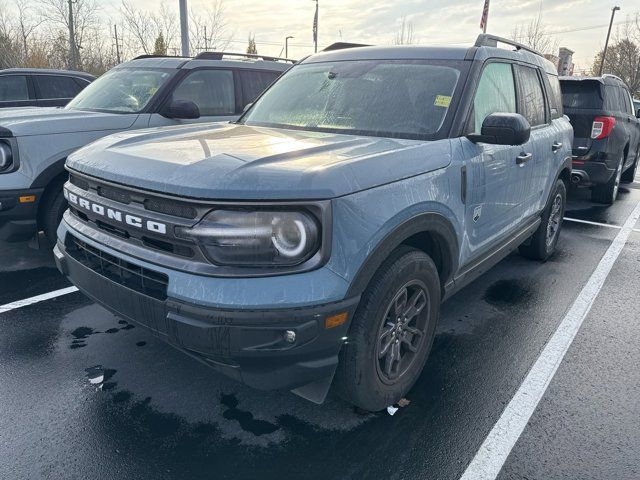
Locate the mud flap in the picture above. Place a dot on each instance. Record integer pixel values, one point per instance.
(315, 392)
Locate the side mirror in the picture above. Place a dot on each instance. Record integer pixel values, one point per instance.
(181, 109)
(503, 129)
(247, 107)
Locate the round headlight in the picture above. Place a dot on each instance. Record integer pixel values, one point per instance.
(258, 238)
(289, 236)
(6, 156)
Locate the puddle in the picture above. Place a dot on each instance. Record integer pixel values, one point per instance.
(246, 420)
(507, 292)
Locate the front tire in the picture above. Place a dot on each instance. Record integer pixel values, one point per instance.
(53, 207)
(542, 243)
(391, 333)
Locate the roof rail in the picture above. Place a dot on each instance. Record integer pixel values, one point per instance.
(613, 76)
(343, 45)
(156, 56)
(487, 40)
(220, 55)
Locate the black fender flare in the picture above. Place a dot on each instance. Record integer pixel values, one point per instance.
(435, 224)
(48, 174)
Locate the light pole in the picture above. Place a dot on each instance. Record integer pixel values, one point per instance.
(315, 28)
(286, 46)
(606, 43)
(184, 27)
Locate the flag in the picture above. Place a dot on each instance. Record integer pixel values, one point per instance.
(485, 16)
(315, 25)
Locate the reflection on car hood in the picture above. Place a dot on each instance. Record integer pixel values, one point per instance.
(46, 121)
(226, 161)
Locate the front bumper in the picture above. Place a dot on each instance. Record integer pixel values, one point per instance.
(18, 221)
(248, 345)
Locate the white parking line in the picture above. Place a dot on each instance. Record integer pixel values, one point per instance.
(597, 224)
(495, 449)
(36, 299)
(589, 222)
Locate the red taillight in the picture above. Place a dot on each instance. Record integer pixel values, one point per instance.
(602, 127)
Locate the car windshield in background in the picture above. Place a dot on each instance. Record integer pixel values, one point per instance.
(122, 90)
(583, 94)
(389, 98)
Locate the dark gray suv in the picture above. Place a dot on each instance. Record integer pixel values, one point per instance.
(40, 87)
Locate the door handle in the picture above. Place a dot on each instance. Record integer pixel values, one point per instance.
(556, 146)
(523, 158)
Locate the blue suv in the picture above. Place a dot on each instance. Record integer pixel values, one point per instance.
(311, 242)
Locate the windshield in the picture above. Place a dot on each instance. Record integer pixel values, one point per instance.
(390, 98)
(122, 90)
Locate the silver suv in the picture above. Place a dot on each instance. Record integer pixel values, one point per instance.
(148, 91)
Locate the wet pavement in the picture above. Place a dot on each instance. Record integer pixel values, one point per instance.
(85, 394)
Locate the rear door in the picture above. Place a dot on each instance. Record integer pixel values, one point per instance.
(16, 91)
(532, 176)
(55, 90)
(632, 126)
(254, 82)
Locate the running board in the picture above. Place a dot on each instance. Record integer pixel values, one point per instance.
(475, 268)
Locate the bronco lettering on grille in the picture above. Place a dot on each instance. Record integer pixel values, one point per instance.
(116, 215)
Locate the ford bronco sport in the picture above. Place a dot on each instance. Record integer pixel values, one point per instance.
(311, 242)
(145, 92)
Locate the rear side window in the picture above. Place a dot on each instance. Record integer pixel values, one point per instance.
(55, 86)
(496, 93)
(627, 101)
(614, 99)
(254, 83)
(555, 96)
(582, 94)
(211, 90)
(531, 96)
(13, 88)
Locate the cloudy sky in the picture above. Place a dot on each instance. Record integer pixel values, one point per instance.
(578, 24)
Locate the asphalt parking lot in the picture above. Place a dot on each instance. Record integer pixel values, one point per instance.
(87, 395)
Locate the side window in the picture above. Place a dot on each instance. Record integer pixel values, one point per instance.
(211, 90)
(13, 88)
(555, 96)
(627, 100)
(531, 96)
(496, 92)
(55, 86)
(254, 83)
(614, 100)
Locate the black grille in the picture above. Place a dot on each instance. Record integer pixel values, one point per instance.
(114, 194)
(79, 182)
(170, 208)
(140, 279)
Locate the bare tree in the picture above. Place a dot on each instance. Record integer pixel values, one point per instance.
(145, 27)
(208, 28)
(85, 19)
(404, 35)
(535, 35)
(11, 55)
(623, 56)
(28, 20)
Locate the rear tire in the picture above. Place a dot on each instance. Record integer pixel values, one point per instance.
(608, 192)
(53, 207)
(630, 175)
(391, 333)
(542, 243)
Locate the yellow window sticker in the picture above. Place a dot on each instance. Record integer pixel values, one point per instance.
(442, 101)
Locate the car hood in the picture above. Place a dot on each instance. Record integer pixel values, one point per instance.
(22, 122)
(229, 161)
